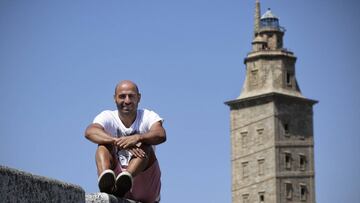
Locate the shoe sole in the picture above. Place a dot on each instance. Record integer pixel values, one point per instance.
(123, 185)
(107, 182)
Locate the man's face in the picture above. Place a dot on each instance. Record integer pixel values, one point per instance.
(127, 99)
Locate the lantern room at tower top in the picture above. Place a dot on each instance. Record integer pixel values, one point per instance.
(270, 21)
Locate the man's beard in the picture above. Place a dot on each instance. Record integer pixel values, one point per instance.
(125, 110)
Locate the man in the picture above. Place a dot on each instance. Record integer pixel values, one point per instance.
(125, 157)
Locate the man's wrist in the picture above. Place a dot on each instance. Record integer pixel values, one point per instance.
(113, 140)
(139, 138)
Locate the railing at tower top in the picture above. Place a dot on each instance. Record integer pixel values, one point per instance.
(285, 51)
(272, 28)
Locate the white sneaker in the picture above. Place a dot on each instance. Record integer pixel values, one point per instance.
(106, 181)
(123, 183)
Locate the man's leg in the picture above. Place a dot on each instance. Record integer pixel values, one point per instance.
(146, 184)
(136, 166)
(104, 158)
(105, 162)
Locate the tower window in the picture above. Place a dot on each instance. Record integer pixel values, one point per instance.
(245, 167)
(261, 197)
(303, 192)
(279, 42)
(286, 129)
(302, 162)
(245, 198)
(244, 139)
(254, 77)
(288, 190)
(260, 136)
(288, 79)
(261, 166)
(288, 160)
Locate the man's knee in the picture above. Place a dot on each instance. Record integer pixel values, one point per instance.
(147, 149)
(150, 155)
(104, 151)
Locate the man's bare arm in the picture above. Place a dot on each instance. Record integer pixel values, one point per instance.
(96, 133)
(155, 136)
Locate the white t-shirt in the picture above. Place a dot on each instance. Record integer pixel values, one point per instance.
(112, 124)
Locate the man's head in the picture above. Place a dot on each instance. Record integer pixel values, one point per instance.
(127, 97)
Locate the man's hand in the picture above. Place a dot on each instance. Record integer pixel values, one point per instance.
(137, 152)
(127, 142)
(132, 144)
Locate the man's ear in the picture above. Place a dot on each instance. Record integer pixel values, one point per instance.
(139, 97)
(114, 98)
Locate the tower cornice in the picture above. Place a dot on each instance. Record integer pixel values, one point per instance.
(271, 54)
(265, 98)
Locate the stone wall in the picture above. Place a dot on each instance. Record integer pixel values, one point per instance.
(20, 186)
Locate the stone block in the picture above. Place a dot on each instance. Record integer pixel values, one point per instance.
(105, 198)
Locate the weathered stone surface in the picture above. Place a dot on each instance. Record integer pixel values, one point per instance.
(19, 186)
(105, 198)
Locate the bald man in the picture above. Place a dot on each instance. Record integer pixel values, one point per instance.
(126, 138)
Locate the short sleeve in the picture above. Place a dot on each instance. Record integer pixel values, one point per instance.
(152, 118)
(102, 119)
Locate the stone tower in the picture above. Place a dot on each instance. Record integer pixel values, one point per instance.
(271, 124)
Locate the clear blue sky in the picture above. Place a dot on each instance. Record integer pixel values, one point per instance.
(60, 61)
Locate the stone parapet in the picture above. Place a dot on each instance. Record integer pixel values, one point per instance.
(20, 186)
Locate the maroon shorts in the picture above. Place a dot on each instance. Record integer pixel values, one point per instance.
(146, 185)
